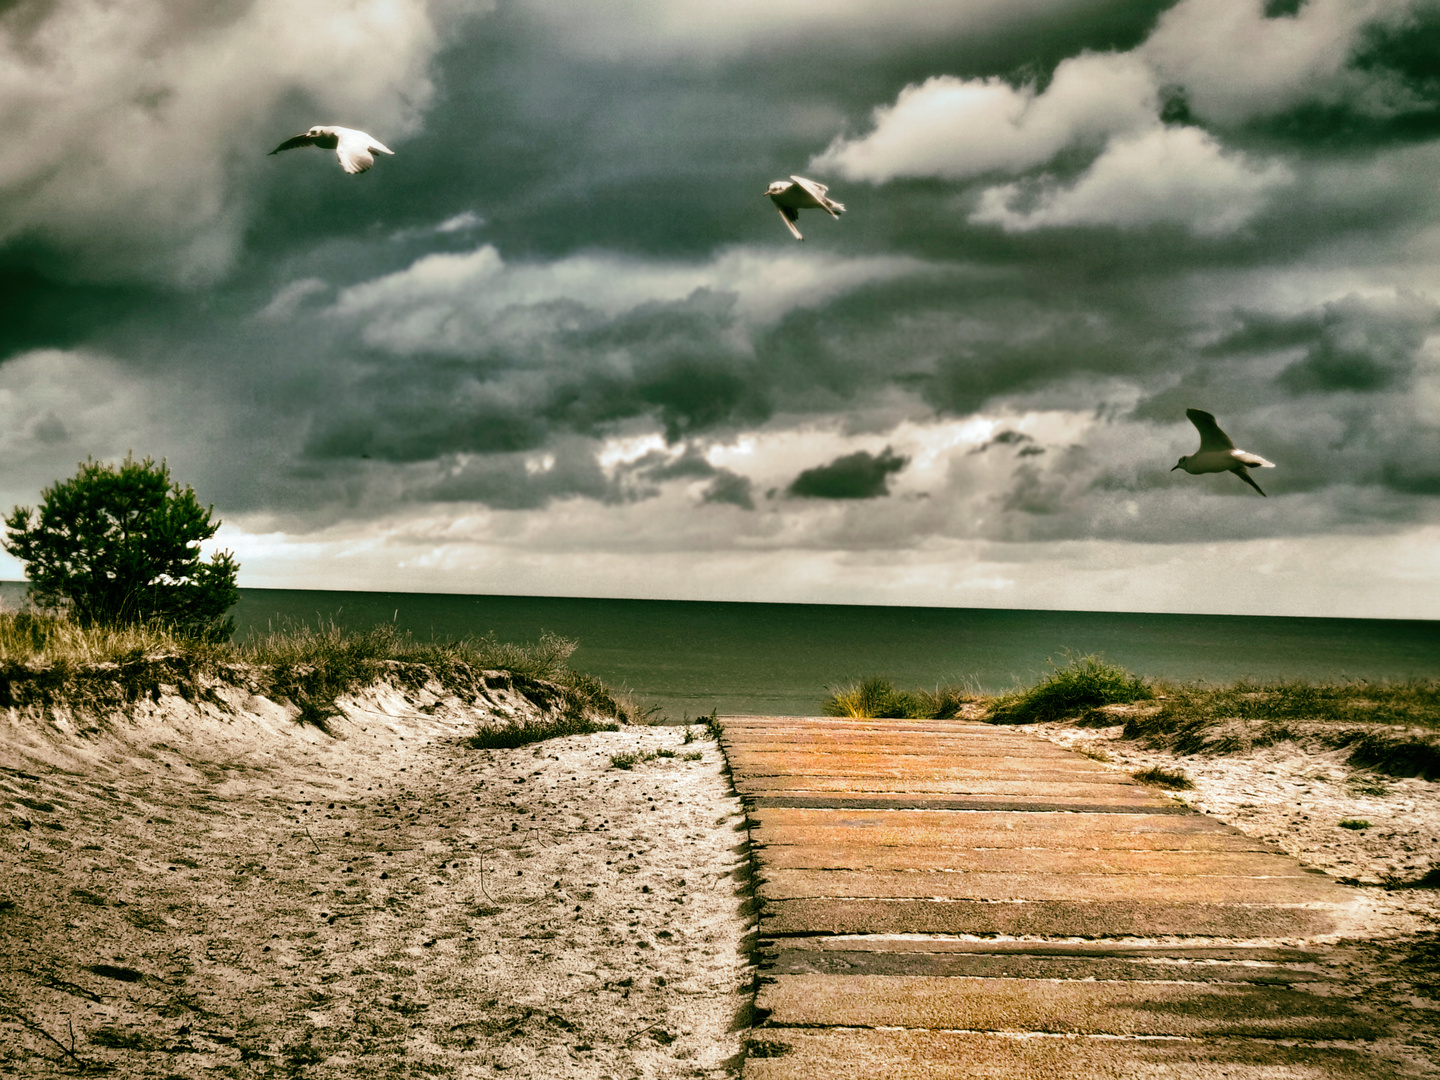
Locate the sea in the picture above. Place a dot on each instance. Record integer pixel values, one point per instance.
(686, 658)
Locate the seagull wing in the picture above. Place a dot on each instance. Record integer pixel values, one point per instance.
(1211, 437)
(817, 192)
(1254, 461)
(356, 149)
(788, 214)
(1239, 471)
(299, 140)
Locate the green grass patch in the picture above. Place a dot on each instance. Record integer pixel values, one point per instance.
(692, 755)
(1083, 683)
(877, 698)
(1173, 779)
(1355, 824)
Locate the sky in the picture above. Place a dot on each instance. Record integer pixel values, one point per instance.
(559, 343)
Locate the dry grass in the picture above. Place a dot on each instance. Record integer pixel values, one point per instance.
(48, 661)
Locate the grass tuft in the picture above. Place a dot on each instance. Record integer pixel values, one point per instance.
(877, 698)
(1084, 683)
(1173, 779)
(524, 732)
(1355, 824)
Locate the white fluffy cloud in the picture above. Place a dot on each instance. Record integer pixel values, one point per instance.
(961, 128)
(130, 126)
(1234, 63)
(1179, 175)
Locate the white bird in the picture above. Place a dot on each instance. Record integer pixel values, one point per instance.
(1217, 453)
(796, 194)
(355, 149)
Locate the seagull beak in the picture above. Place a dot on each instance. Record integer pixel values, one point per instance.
(1174, 467)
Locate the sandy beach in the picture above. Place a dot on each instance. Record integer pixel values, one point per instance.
(198, 891)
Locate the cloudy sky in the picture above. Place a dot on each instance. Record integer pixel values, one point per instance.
(560, 344)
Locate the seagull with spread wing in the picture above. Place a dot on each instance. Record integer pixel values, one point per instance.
(1217, 453)
(355, 149)
(796, 194)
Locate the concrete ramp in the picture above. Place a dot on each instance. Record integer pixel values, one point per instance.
(952, 899)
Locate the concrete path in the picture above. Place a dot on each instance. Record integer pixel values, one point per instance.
(947, 899)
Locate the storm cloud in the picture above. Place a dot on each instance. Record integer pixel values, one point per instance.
(560, 341)
(860, 475)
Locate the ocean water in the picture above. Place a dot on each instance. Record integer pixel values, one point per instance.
(689, 657)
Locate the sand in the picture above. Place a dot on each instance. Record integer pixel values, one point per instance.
(199, 890)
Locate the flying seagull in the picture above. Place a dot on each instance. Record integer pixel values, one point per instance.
(355, 149)
(1217, 453)
(796, 194)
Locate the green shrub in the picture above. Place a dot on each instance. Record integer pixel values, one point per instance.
(1085, 682)
(1354, 823)
(121, 544)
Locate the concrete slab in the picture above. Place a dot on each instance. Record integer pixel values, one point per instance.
(1188, 1010)
(1114, 786)
(1028, 860)
(897, 801)
(1052, 918)
(919, 765)
(786, 960)
(1089, 837)
(840, 780)
(778, 884)
(862, 819)
(879, 742)
(1180, 952)
(830, 1054)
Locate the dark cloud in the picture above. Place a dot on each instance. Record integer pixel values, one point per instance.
(1362, 347)
(1006, 438)
(731, 488)
(861, 475)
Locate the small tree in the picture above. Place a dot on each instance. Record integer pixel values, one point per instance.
(121, 545)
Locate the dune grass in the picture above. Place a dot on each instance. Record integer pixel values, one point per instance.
(1389, 728)
(1083, 683)
(49, 660)
(877, 698)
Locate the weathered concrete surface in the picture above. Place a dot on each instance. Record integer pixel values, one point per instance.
(948, 899)
(832, 1053)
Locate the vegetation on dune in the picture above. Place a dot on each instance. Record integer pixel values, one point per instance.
(877, 698)
(50, 660)
(1391, 728)
(1085, 682)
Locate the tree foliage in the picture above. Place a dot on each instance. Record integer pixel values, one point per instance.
(121, 544)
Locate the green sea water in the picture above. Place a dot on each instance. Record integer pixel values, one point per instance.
(689, 657)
